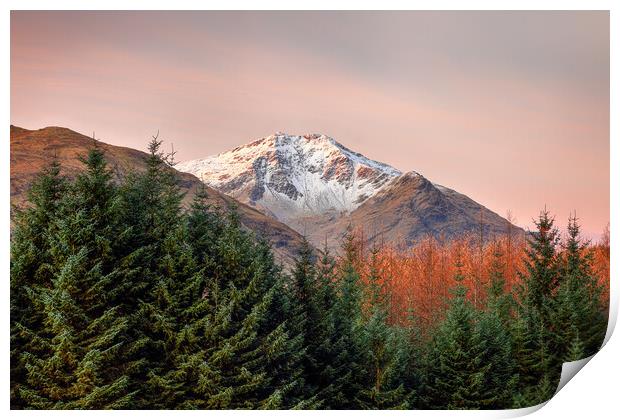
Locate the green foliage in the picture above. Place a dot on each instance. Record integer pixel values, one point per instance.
(150, 213)
(121, 298)
(542, 264)
(30, 256)
(383, 347)
(82, 336)
(560, 305)
(531, 346)
(323, 349)
(226, 349)
(307, 316)
(460, 370)
(578, 313)
(494, 328)
(496, 343)
(349, 372)
(537, 364)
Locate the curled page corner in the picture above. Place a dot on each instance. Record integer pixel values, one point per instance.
(569, 370)
(612, 317)
(517, 412)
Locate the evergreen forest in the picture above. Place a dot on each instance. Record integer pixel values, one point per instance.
(124, 297)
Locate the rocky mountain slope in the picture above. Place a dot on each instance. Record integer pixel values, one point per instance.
(295, 178)
(31, 150)
(319, 187)
(410, 208)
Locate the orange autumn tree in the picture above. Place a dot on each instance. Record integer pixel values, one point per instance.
(417, 279)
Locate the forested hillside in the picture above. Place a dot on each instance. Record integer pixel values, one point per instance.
(33, 150)
(123, 299)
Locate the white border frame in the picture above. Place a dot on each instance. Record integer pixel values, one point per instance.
(592, 394)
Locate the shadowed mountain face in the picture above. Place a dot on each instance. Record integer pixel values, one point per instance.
(411, 207)
(319, 187)
(32, 150)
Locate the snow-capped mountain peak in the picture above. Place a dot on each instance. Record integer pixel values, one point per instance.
(294, 177)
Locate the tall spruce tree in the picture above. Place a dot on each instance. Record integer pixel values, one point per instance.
(537, 363)
(494, 330)
(534, 362)
(30, 268)
(181, 312)
(578, 315)
(325, 349)
(382, 346)
(183, 302)
(499, 300)
(238, 352)
(496, 343)
(349, 371)
(82, 331)
(542, 270)
(307, 317)
(459, 369)
(414, 364)
(150, 206)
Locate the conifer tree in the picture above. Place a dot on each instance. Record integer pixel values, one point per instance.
(459, 369)
(150, 206)
(325, 349)
(241, 354)
(382, 346)
(414, 362)
(309, 312)
(542, 274)
(204, 225)
(576, 350)
(349, 372)
(494, 331)
(496, 345)
(82, 331)
(181, 310)
(533, 358)
(285, 361)
(578, 313)
(191, 294)
(182, 301)
(537, 362)
(30, 268)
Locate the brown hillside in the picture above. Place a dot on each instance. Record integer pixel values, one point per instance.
(412, 208)
(32, 150)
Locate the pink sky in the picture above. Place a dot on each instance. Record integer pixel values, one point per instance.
(509, 108)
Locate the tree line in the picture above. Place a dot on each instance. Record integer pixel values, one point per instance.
(121, 298)
(423, 274)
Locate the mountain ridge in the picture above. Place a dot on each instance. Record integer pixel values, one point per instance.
(291, 177)
(319, 187)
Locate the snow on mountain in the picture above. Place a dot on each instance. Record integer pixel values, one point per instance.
(294, 177)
